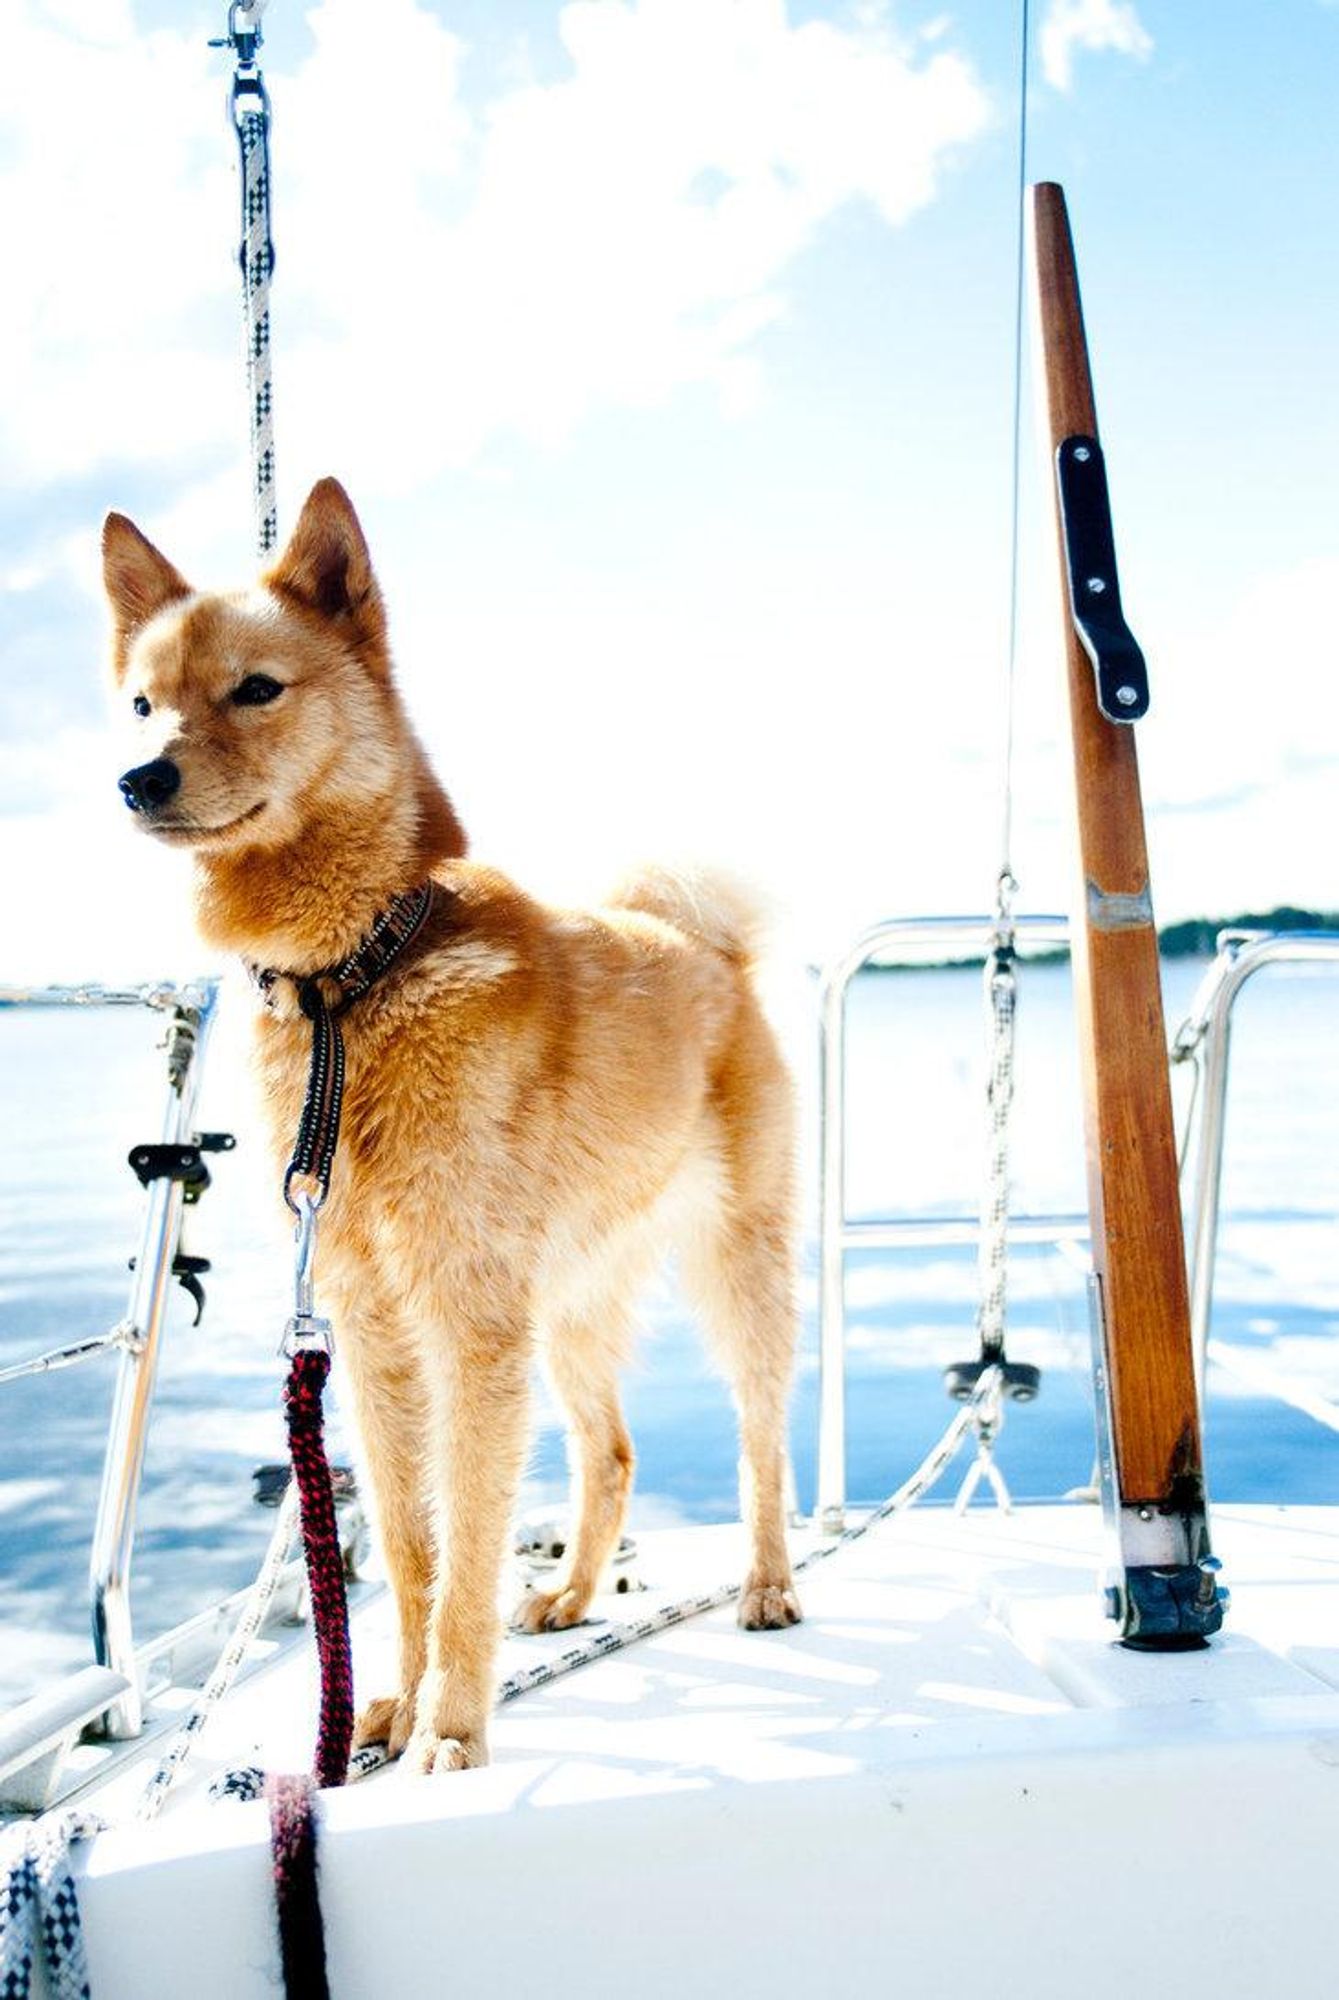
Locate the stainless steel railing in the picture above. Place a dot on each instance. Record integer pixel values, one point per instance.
(1205, 1037)
(901, 937)
(190, 1014)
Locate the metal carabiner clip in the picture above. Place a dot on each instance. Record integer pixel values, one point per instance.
(306, 1331)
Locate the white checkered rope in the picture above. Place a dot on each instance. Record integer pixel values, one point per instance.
(39, 1909)
(993, 1256)
(257, 262)
(249, 1621)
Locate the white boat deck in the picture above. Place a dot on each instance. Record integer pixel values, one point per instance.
(950, 1777)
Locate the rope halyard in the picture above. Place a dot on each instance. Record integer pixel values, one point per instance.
(257, 260)
(993, 1255)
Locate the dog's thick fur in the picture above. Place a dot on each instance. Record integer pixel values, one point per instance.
(538, 1101)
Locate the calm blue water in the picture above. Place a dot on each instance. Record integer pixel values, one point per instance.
(80, 1088)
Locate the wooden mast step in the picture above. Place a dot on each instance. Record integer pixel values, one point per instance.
(1161, 1588)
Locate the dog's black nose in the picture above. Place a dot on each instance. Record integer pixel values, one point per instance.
(150, 785)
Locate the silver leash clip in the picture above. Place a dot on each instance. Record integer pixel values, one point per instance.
(306, 1332)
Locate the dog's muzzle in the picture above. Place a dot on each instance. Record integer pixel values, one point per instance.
(150, 786)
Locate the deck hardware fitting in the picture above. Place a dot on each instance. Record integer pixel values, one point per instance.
(1090, 569)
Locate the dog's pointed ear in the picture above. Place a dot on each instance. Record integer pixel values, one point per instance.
(139, 581)
(326, 565)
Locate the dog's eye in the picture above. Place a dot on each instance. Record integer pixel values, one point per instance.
(256, 690)
(141, 704)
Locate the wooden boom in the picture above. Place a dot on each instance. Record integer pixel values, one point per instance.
(1162, 1588)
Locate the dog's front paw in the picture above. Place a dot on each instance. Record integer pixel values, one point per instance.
(450, 1724)
(389, 1720)
(549, 1610)
(768, 1606)
(427, 1752)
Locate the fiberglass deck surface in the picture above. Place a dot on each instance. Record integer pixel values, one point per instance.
(949, 1779)
(930, 1621)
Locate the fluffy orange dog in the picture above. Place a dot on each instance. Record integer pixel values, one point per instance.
(537, 1102)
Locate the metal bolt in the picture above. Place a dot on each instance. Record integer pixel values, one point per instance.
(1082, 453)
(1127, 696)
(1096, 584)
(1146, 1513)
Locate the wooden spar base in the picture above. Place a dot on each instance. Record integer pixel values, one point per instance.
(1141, 1300)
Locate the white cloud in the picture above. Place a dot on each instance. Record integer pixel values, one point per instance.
(1241, 750)
(603, 239)
(1252, 702)
(114, 188)
(452, 271)
(446, 274)
(1089, 24)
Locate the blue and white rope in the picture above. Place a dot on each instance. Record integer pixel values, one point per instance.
(39, 1909)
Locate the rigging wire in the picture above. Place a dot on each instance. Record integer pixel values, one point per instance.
(1001, 987)
(1006, 882)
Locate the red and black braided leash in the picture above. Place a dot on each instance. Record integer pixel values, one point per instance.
(325, 1564)
(293, 1803)
(293, 1800)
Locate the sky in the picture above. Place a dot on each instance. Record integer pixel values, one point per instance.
(666, 348)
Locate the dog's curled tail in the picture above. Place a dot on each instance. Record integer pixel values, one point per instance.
(707, 903)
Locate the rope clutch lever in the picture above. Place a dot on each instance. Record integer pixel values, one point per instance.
(305, 1332)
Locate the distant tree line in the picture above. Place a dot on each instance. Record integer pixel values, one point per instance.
(1196, 936)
